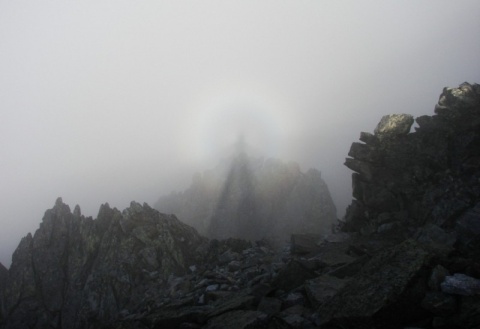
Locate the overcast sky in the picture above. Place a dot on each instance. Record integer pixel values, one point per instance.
(113, 101)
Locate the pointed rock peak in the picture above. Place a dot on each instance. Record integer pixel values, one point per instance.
(60, 207)
(104, 210)
(59, 202)
(135, 206)
(77, 212)
(146, 206)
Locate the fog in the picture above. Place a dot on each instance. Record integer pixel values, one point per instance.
(114, 101)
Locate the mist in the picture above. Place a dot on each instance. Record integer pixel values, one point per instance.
(115, 101)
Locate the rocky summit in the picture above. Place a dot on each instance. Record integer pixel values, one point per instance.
(254, 198)
(406, 255)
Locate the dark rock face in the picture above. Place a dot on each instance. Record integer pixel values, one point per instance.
(255, 199)
(430, 175)
(425, 186)
(75, 270)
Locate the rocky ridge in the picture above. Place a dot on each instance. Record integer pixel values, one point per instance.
(74, 270)
(253, 198)
(405, 256)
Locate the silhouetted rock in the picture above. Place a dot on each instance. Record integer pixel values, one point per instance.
(422, 185)
(76, 270)
(253, 199)
(428, 175)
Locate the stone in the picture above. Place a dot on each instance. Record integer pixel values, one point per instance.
(293, 276)
(294, 320)
(394, 125)
(461, 284)
(438, 275)
(392, 227)
(269, 305)
(439, 303)
(228, 256)
(321, 289)
(305, 243)
(241, 319)
(293, 298)
(367, 138)
(466, 95)
(212, 287)
(363, 152)
(349, 269)
(334, 254)
(239, 301)
(434, 238)
(469, 312)
(387, 279)
(468, 228)
(234, 266)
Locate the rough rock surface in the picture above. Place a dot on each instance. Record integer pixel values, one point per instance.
(74, 270)
(406, 255)
(252, 198)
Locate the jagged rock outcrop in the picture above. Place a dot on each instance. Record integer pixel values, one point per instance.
(430, 175)
(425, 186)
(254, 199)
(75, 271)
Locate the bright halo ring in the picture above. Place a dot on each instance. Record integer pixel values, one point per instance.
(221, 120)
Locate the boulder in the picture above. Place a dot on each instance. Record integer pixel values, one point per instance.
(386, 290)
(238, 320)
(468, 229)
(435, 239)
(270, 305)
(321, 289)
(394, 125)
(438, 275)
(461, 284)
(305, 243)
(439, 303)
(293, 276)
